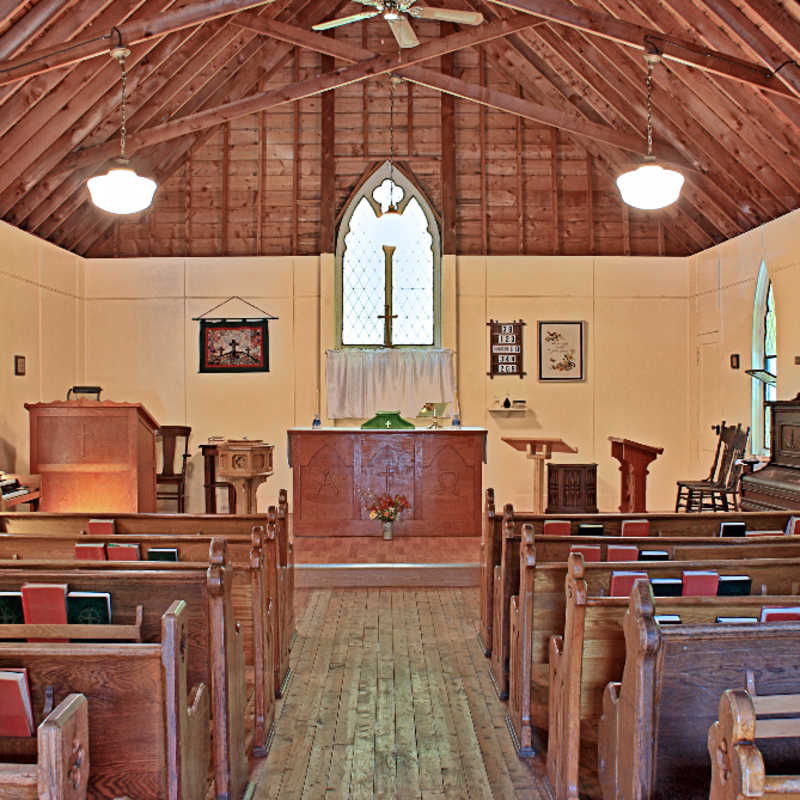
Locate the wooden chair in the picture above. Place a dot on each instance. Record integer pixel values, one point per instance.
(694, 495)
(168, 476)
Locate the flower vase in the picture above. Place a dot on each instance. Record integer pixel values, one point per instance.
(387, 529)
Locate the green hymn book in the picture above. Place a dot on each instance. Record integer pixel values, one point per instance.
(88, 608)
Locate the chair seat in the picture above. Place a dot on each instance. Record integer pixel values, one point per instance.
(170, 479)
(707, 485)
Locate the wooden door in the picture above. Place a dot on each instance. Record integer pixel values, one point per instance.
(709, 407)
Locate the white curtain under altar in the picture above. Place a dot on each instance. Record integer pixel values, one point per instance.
(361, 382)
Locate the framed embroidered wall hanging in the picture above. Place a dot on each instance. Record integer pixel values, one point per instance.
(234, 345)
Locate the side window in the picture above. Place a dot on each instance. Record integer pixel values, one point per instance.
(765, 357)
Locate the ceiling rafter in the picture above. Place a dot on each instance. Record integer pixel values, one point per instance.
(31, 25)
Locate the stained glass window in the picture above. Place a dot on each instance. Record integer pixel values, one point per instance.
(770, 364)
(389, 265)
(765, 357)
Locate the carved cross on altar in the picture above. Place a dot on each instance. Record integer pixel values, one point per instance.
(387, 474)
(387, 316)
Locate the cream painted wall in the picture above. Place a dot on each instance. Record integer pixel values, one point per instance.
(722, 290)
(636, 335)
(41, 318)
(142, 345)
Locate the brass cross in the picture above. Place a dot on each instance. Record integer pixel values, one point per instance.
(387, 316)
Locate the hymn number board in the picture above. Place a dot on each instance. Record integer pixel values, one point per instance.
(505, 348)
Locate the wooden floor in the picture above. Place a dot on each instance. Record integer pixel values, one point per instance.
(391, 697)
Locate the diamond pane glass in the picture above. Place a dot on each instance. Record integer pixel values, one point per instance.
(363, 273)
(769, 326)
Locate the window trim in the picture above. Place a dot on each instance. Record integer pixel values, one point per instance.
(365, 190)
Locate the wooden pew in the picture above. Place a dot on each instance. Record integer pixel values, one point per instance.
(539, 612)
(281, 589)
(557, 548)
(61, 770)
(490, 558)
(212, 640)
(737, 763)
(591, 653)
(286, 551)
(653, 731)
(254, 586)
(693, 526)
(148, 736)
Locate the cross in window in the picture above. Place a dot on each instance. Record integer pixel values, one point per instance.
(387, 316)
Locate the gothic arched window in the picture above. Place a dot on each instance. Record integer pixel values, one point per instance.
(388, 266)
(765, 357)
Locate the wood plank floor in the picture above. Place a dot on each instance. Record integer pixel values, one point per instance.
(390, 697)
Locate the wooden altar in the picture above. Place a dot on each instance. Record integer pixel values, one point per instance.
(94, 456)
(633, 459)
(438, 470)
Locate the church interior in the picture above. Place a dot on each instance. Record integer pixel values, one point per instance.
(447, 347)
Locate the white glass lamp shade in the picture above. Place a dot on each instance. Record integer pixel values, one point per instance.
(650, 187)
(121, 191)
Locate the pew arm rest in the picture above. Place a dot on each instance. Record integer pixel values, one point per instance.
(607, 741)
(196, 742)
(63, 751)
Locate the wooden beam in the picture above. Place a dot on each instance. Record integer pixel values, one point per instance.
(590, 202)
(36, 62)
(519, 132)
(33, 22)
(327, 167)
(295, 156)
(187, 206)
(447, 166)
(626, 229)
(643, 38)
(260, 186)
(482, 151)
(554, 188)
(226, 180)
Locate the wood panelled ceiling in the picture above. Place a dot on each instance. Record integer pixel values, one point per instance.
(258, 129)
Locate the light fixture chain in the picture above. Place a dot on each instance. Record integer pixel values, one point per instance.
(124, 131)
(391, 139)
(649, 108)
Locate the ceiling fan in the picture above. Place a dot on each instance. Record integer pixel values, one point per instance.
(393, 11)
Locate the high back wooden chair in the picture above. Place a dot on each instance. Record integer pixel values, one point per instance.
(724, 495)
(173, 481)
(690, 492)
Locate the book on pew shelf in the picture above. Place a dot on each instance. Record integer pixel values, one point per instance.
(590, 529)
(622, 582)
(700, 582)
(556, 527)
(162, 554)
(100, 527)
(764, 533)
(635, 527)
(792, 526)
(622, 552)
(11, 608)
(653, 555)
(129, 551)
(777, 614)
(90, 551)
(590, 552)
(736, 619)
(43, 604)
(667, 619)
(734, 586)
(16, 711)
(667, 587)
(88, 608)
(731, 528)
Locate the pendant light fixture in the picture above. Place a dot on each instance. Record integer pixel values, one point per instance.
(392, 208)
(650, 186)
(121, 190)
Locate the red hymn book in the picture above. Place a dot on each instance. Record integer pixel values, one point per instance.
(43, 604)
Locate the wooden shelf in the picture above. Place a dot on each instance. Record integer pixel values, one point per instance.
(511, 410)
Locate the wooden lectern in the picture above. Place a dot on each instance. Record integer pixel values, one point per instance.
(538, 450)
(245, 463)
(94, 456)
(633, 459)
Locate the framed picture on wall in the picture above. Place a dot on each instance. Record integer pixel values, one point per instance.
(561, 351)
(234, 346)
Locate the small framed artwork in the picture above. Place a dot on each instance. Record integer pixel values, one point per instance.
(19, 365)
(561, 351)
(234, 346)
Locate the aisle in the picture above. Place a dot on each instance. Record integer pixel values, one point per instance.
(390, 697)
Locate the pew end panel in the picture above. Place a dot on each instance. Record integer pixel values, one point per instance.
(279, 590)
(607, 738)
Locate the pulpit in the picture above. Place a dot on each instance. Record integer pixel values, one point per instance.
(633, 459)
(538, 450)
(245, 463)
(94, 456)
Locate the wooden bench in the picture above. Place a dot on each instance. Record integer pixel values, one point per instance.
(694, 526)
(61, 770)
(653, 731)
(737, 763)
(149, 738)
(539, 612)
(557, 549)
(212, 640)
(591, 653)
(236, 529)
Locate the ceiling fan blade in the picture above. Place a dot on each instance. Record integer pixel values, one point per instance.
(403, 32)
(447, 15)
(373, 3)
(335, 23)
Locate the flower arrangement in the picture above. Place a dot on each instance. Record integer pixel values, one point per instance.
(385, 507)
